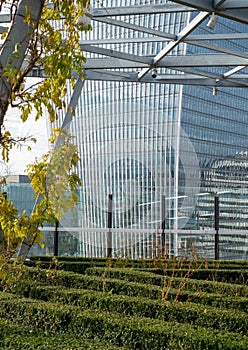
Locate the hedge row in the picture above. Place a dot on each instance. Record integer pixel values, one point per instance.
(127, 287)
(73, 266)
(133, 275)
(66, 258)
(73, 280)
(201, 263)
(224, 275)
(205, 316)
(62, 342)
(211, 299)
(150, 263)
(14, 336)
(109, 279)
(132, 332)
(117, 287)
(236, 276)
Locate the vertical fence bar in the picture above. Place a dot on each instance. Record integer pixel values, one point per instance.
(163, 224)
(56, 239)
(109, 233)
(216, 226)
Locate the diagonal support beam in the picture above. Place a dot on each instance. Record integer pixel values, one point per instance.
(136, 27)
(73, 102)
(232, 9)
(138, 10)
(116, 54)
(172, 45)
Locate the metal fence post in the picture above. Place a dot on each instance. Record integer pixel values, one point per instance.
(109, 234)
(56, 239)
(163, 223)
(216, 226)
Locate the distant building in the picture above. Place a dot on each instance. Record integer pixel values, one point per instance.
(229, 179)
(20, 192)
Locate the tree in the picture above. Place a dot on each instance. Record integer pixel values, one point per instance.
(34, 40)
(55, 188)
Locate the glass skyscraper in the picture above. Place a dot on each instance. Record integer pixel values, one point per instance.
(162, 151)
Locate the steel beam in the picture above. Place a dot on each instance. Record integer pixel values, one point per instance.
(181, 36)
(236, 10)
(169, 62)
(137, 28)
(237, 81)
(138, 10)
(105, 63)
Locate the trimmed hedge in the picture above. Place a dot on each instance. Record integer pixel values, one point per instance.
(150, 278)
(151, 263)
(132, 289)
(133, 332)
(67, 258)
(61, 342)
(111, 307)
(115, 286)
(127, 287)
(211, 299)
(14, 336)
(204, 316)
(235, 276)
(73, 266)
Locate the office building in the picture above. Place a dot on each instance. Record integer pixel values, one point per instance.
(145, 143)
(20, 192)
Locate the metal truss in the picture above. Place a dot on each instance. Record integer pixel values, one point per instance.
(218, 67)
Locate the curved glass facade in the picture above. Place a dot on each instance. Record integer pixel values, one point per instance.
(151, 143)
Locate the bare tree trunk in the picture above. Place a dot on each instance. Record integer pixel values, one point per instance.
(19, 34)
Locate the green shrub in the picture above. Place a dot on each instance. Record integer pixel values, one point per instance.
(223, 275)
(73, 280)
(73, 266)
(67, 258)
(61, 342)
(236, 271)
(14, 336)
(32, 289)
(132, 332)
(217, 300)
(150, 278)
(152, 263)
(202, 315)
(145, 289)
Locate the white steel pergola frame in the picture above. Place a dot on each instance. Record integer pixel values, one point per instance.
(114, 65)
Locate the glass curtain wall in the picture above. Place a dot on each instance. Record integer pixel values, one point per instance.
(156, 148)
(216, 122)
(128, 137)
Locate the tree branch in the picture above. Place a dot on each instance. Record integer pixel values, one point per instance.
(20, 32)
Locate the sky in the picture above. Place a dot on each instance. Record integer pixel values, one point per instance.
(38, 129)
